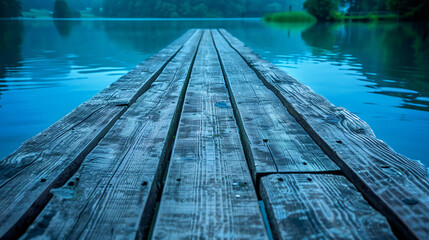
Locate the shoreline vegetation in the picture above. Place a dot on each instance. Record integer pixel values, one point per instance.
(271, 10)
(363, 11)
(292, 17)
(148, 8)
(302, 16)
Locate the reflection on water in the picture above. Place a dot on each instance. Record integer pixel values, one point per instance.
(65, 27)
(10, 50)
(393, 58)
(378, 71)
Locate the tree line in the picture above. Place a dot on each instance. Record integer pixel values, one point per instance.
(322, 9)
(155, 8)
(191, 8)
(406, 9)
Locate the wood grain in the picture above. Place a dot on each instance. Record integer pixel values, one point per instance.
(208, 192)
(115, 190)
(275, 140)
(397, 186)
(320, 206)
(49, 159)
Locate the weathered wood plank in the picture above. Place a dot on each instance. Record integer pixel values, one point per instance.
(275, 139)
(208, 192)
(319, 206)
(115, 190)
(47, 160)
(397, 186)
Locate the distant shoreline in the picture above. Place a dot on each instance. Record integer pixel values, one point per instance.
(131, 19)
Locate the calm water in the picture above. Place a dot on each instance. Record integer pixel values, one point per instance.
(378, 71)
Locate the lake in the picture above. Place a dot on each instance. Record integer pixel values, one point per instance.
(379, 71)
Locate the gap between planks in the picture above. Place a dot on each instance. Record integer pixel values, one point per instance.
(208, 191)
(289, 149)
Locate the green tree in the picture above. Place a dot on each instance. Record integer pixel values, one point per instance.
(10, 8)
(323, 10)
(62, 10)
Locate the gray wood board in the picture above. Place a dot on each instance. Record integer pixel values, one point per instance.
(51, 157)
(275, 139)
(320, 206)
(397, 186)
(208, 192)
(115, 190)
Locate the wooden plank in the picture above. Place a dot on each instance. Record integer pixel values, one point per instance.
(319, 206)
(208, 192)
(115, 190)
(397, 186)
(51, 157)
(275, 140)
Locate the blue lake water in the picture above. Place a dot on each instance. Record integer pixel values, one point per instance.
(379, 71)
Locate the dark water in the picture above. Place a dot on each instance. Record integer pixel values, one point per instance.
(378, 71)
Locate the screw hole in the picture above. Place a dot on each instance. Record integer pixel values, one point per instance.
(385, 166)
(178, 179)
(304, 163)
(144, 183)
(43, 180)
(77, 179)
(265, 140)
(309, 179)
(280, 179)
(70, 184)
(339, 141)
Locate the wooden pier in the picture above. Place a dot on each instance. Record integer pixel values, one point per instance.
(205, 140)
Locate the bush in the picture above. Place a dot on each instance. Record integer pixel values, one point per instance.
(290, 17)
(323, 10)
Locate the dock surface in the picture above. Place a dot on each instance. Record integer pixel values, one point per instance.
(205, 140)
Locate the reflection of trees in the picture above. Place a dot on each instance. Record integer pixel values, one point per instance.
(65, 27)
(321, 35)
(407, 45)
(10, 47)
(397, 52)
(298, 26)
